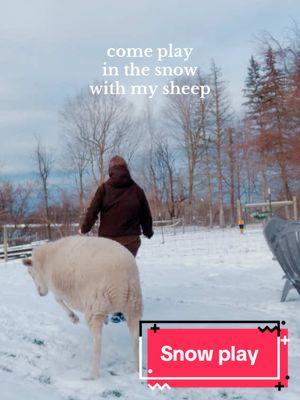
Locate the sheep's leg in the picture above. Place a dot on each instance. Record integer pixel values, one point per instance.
(73, 317)
(95, 324)
(133, 325)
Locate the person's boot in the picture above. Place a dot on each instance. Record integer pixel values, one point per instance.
(117, 317)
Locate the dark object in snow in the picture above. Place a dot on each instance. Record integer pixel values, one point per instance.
(111, 393)
(46, 380)
(283, 238)
(38, 342)
(5, 369)
(113, 373)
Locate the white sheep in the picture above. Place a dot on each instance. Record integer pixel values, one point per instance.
(96, 276)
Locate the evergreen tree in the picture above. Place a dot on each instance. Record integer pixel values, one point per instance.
(274, 92)
(254, 103)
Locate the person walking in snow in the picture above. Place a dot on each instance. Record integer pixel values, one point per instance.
(124, 210)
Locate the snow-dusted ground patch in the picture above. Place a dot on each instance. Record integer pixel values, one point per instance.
(201, 274)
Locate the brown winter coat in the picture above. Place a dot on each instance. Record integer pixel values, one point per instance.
(122, 205)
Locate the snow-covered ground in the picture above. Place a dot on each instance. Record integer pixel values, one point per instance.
(200, 274)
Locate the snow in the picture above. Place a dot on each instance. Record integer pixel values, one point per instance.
(200, 274)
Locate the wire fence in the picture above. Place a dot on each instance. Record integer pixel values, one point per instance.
(19, 240)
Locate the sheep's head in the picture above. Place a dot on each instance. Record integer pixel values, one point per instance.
(34, 271)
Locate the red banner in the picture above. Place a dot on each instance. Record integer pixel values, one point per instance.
(196, 357)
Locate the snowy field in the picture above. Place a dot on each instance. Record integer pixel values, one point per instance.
(200, 274)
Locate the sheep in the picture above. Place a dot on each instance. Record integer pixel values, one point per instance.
(96, 276)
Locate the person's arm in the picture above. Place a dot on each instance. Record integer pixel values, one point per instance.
(93, 210)
(145, 215)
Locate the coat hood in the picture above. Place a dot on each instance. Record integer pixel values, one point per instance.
(119, 176)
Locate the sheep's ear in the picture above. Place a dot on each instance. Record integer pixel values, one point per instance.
(27, 262)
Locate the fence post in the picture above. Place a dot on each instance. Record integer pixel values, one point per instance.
(5, 243)
(162, 234)
(295, 208)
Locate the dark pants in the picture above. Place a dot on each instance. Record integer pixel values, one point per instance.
(132, 243)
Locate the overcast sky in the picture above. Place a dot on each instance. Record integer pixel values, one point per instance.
(50, 49)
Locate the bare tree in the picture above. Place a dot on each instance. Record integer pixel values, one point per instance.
(232, 164)
(182, 111)
(220, 112)
(150, 174)
(168, 177)
(76, 160)
(104, 124)
(44, 162)
(14, 201)
(164, 184)
(205, 125)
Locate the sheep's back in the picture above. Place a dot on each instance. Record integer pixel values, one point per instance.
(93, 272)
